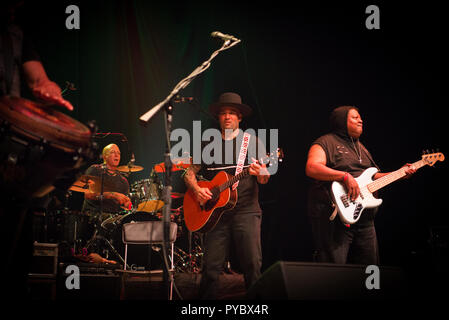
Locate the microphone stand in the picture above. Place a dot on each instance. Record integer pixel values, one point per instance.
(167, 104)
(145, 118)
(166, 196)
(102, 188)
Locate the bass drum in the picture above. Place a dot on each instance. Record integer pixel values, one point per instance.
(40, 148)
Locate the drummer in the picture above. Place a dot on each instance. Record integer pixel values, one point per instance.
(115, 186)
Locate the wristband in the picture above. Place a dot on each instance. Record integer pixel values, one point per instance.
(345, 177)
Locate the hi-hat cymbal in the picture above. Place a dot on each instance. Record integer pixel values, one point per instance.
(131, 168)
(82, 185)
(83, 189)
(85, 178)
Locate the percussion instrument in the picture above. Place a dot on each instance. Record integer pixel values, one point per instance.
(40, 148)
(88, 183)
(130, 168)
(146, 195)
(82, 184)
(160, 167)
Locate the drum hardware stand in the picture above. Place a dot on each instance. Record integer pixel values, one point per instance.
(97, 236)
(190, 252)
(67, 195)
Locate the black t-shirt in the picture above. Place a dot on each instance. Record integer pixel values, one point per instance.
(342, 154)
(15, 49)
(248, 188)
(115, 182)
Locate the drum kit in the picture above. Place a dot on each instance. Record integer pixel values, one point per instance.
(145, 195)
(43, 150)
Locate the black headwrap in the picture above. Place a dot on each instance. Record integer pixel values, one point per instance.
(338, 121)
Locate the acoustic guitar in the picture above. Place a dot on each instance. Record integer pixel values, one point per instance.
(203, 218)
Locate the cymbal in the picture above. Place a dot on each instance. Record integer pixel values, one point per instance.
(85, 177)
(83, 189)
(160, 167)
(81, 184)
(131, 168)
(150, 206)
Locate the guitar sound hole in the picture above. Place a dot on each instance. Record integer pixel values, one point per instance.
(209, 204)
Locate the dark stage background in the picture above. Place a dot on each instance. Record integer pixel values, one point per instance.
(296, 62)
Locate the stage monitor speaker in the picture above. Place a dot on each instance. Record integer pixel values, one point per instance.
(323, 281)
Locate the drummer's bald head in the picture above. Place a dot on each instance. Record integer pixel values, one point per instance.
(108, 149)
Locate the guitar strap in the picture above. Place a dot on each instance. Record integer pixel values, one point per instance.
(334, 213)
(242, 157)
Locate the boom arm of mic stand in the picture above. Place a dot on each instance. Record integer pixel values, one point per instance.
(145, 118)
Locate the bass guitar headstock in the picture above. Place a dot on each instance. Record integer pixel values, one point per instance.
(432, 158)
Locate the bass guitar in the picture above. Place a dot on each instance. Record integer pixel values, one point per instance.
(350, 211)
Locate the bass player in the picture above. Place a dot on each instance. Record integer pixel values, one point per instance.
(340, 156)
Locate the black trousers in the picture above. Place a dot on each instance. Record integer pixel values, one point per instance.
(242, 231)
(16, 247)
(338, 243)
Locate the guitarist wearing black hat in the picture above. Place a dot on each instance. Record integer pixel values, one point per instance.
(239, 226)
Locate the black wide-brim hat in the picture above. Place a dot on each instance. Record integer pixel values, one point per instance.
(230, 99)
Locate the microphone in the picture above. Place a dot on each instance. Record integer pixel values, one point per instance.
(179, 99)
(218, 34)
(131, 162)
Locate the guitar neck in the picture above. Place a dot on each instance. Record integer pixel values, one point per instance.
(392, 177)
(245, 172)
(234, 179)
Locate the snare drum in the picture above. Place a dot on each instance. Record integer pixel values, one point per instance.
(38, 147)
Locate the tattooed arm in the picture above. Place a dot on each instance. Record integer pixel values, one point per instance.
(202, 194)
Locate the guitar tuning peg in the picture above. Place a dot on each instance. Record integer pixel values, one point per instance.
(433, 151)
(427, 151)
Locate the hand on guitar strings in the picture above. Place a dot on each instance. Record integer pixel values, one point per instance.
(352, 186)
(203, 195)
